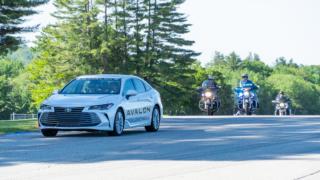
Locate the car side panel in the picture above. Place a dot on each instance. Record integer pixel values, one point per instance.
(147, 106)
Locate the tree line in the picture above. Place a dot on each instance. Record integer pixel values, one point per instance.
(144, 38)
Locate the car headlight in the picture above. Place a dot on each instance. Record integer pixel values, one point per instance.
(45, 107)
(101, 107)
(208, 94)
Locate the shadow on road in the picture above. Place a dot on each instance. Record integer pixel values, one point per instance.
(229, 139)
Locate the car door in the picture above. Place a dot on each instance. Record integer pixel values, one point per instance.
(130, 104)
(145, 101)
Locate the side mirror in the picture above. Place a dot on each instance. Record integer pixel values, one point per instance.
(131, 93)
(55, 92)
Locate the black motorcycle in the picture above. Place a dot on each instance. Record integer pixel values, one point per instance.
(209, 101)
(281, 108)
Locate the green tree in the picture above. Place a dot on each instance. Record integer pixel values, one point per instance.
(168, 62)
(233, 61)
(11, 18)
(257, 67)
(24, 54)
(14, 97)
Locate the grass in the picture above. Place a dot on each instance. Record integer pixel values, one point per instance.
(18, 126)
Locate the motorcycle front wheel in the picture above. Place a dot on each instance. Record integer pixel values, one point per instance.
(246, 108)
(288, 112)
(210, 112)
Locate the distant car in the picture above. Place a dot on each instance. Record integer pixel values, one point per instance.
(101, 102)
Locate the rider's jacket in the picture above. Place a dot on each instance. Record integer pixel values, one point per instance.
(283, 98)
(209, 84)
(248, 84)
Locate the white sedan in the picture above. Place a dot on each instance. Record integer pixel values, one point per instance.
(101, 102)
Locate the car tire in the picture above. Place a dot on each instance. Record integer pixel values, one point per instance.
(155, 121)
(49, 132)
(118, 123)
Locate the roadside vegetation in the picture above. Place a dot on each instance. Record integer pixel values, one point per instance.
(144, 38)
(9, 126)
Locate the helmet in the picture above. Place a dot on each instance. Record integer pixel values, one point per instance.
(210, 77)
(244, 75)
(281, 92)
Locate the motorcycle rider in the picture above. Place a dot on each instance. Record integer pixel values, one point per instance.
(281, 97)
(209, 84)
(246, 83)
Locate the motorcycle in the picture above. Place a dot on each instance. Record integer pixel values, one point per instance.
(247, 103)
(209, 101)
(281, 108)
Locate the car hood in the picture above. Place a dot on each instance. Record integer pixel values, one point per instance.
(75, 100)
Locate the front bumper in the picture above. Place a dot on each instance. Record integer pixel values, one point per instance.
(76, 118)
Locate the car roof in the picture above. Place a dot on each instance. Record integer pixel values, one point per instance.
(122, 76)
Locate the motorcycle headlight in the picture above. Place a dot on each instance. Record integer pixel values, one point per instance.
(246, 93)
(45, 107)
(101, 107)
(208, 94)
(282, 105)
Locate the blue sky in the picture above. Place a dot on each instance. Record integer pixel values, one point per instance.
(270, 28)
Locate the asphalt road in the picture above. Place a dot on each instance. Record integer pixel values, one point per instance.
(185, 148)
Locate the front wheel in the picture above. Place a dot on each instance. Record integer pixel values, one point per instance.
(288, 112)
(282, 113)
(210, 112)
(155, 121)
(49, 132)
(246, 108)
(118, 124)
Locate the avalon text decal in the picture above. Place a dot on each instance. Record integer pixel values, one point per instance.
(138, 111)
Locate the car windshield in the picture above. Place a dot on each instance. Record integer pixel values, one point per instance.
(93, 86)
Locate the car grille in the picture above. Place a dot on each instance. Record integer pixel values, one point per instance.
(69, 117)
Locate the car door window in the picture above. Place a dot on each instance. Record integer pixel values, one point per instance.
(139, 86)
(147, 86)
(128, 86)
